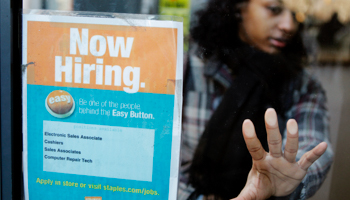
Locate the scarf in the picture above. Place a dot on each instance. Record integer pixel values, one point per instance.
(221, 162)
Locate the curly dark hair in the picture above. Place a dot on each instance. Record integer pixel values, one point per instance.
(217, 31)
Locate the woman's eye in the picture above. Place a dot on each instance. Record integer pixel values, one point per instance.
(275, 9)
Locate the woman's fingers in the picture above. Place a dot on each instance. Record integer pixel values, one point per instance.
(274, 137)
(310, 157)
(253, 144)
(292, 144)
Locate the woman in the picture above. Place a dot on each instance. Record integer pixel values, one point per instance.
(248, 57)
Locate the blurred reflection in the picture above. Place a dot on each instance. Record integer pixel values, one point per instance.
(48, 4)
(121, 6)
(327, 38)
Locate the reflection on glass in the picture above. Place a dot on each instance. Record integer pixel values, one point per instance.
(327, 41)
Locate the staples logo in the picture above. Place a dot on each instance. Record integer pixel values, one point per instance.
(93, 198)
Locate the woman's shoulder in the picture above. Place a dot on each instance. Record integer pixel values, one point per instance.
(307, 84)
(308, 94)
(310, 83)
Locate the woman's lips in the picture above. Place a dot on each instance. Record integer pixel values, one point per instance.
(278, 42)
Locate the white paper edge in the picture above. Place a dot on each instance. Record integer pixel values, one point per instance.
(24, 99)
(176, 136)
(102, 21)
(177, 118)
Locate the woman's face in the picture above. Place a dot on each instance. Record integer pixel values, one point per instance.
(267, 24)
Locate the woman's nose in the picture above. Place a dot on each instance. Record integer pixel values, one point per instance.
(287, 24)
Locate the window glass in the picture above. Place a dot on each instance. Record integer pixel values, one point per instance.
(240, 58)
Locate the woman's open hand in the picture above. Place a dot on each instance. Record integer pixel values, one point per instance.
(275, 173)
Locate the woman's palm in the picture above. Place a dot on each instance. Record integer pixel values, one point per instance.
(275, 173)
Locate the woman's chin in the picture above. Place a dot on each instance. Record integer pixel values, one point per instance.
(270, 49)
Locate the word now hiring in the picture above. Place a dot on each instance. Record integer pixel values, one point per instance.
(129, 75)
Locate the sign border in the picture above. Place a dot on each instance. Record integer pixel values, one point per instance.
(139, 20)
